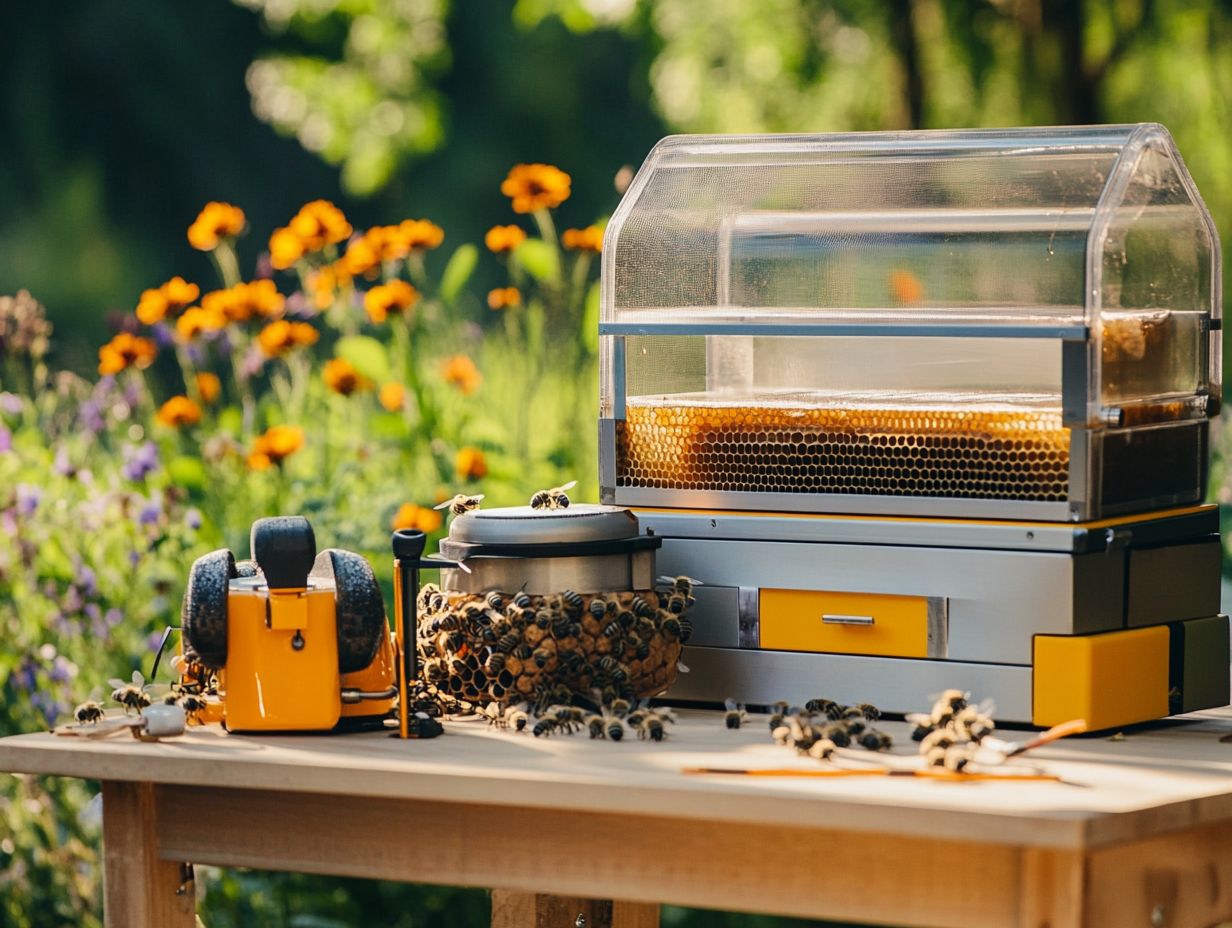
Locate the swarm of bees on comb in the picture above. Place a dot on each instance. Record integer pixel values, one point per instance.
(822, 726)
(504, 650)
(950, 734)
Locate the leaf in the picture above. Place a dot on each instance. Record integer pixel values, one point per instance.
(366, 355)
(540, 259)
(231, 421)
(187, 472)
(458, 271)
(590, 319)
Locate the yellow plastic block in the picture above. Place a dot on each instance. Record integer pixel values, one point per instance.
(271, 683)
(376, 677)
(1111, 679)
(844, 623)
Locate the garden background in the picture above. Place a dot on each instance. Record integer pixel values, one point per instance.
(360, 359)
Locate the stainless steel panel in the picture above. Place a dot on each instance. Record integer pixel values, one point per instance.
(997, 600)
(1070, 333)
(843, 503)
(716, 617)
(938, 627)
(894, 685)
(607, 461)
(542, 575)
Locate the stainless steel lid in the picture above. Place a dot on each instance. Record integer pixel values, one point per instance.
(521, 525)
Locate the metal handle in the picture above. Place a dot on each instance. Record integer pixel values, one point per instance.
(835, 619)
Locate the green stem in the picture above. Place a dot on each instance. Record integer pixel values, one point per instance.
(227, 264)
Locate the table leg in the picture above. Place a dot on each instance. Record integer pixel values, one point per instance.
(537, 910)
(141, 890)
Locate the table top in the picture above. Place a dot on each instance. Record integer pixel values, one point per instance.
(1161, 777)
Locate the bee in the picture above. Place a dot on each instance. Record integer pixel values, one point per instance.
(869, 711)
(132, 696)
(555, 498)
(543, 619)
(838, 734)
(672, 627)
(596, 725)
(516, 717)
(560, 626)
(823, 707)
(972, 724)
(680, 585)
(619, 708)
(947, 704)
(956, 758)
(649, 725)
(495, 601)
(686, 630)
(445, 623)
(89, 712)
(777, 713)
(613, 630)
(507, 642)
(626, 619)
(822, 749)
(874, 740)
(545, 727)
(574, 662)
(573, 600)
(495, 715)
(940, 738)
(642, 651)
(568, 718)
(430, 598)
(735, 715)
(461, 504)
(435, 671)
(522, 600)
(541, 656)
(676, 604)
(598, 607)
(640, 607)
(193, 705)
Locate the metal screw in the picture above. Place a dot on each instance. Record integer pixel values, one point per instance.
(1157, 916)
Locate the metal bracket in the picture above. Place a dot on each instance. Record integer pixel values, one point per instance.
(748, 604)
(938, 627)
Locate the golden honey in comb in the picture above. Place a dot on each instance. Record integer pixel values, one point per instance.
(819, 444)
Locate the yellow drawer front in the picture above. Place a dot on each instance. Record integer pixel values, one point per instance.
(844, 623)
(1116, 678)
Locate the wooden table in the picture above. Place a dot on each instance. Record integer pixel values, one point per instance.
(566, 826)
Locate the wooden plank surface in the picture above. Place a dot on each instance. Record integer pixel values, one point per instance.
(773, 868)
(1158, 779)
(141, 889)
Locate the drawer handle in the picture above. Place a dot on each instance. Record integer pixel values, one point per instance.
(835, 619)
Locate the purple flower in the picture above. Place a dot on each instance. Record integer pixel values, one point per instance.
(93, 611)
(163, 336)
(10, 403)
(134, 558)
(6, 440)
(265, 267)
(90, 416)
(49, 707)
(62, 465)
(113, 617)
(86, 580)
(139, 461)
(154, 640)
(297, 304)
(23, 677)
(192, 518)
(149, 513)
(62, 669)
(28, 498)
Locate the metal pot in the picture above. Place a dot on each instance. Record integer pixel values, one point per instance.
(584, 548)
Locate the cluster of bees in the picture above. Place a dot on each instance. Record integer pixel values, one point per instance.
(133, 695)
(608, 720)
(822, 726)
(950, 734)
(543, 650)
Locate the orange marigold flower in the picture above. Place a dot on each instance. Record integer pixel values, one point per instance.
(320, 223)
(342, 377)
(168, 300)
(278, 443)
(470, 463)
(536, 186)
(500, 239)
(392, 396)
(504, 297)
(215, 222)
(282, 336)
(245, 300)
(397, 296)
(285, 248)
(461, 371)
(418, 518)
(208, 386)
(588, 239)
(420, 233)
(326, 283)
(362, 257)
(906, 287)
(178, 411)
(126, 350)
(197, 320)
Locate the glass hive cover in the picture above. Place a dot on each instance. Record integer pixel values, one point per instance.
(987, 299)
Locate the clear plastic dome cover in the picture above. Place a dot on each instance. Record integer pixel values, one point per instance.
(1060, 283)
